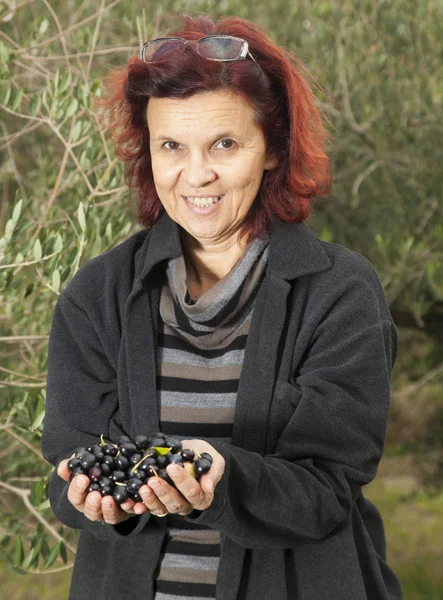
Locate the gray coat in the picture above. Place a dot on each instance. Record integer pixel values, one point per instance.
(308, 434)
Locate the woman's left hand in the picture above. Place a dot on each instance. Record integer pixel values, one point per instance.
(159, 497)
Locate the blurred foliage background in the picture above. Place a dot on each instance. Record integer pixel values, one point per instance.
(63, 201)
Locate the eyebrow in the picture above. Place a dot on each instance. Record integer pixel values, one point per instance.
(225, 134)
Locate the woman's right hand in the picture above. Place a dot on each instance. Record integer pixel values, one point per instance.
(92, 504)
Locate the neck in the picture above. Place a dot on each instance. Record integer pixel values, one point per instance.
(210, 263)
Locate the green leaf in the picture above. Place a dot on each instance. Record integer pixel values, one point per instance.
(18, 550)
(58, 244)
(9, 229)
(38, 419)
(66, 271)
(162, 451)
(16, 99)
(37, 250)
(77, 131)
(96, 247)
(7, 96)
(17, 210)
(4, 53)
(38, 492)
(408, 245)
(29, 289)
(34, 562)
(55, 282)
(8, 279)
(64, 82)
(72, 108)
(44, 24)
(45, 548)
(34, 107)
(19, 258)
(52, 555)
(57, 81)
(63, 553)
(84, 161)
(44, 505)
(31, 556)
(45, 101)
(81, 216)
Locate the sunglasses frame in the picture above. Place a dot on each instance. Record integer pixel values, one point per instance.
(244, 52)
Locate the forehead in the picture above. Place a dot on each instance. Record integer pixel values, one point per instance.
(209, 109)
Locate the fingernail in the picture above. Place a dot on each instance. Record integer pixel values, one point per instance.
(155, 484)
(95, 500)
(107, 504)
(173, 470)
(79, 483)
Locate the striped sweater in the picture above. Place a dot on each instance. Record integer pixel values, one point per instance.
(200, 351)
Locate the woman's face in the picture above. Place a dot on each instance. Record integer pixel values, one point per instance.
(207, 145)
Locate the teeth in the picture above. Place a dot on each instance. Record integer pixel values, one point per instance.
(203, 201)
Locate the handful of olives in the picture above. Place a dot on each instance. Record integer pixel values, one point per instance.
(120, 471)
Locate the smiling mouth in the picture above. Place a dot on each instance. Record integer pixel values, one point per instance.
(203, 202)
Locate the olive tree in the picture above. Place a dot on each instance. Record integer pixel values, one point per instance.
(377, 73)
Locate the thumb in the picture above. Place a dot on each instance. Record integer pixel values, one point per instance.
(62, 469)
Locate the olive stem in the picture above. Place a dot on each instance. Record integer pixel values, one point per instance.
(147, 455)
(199, 456)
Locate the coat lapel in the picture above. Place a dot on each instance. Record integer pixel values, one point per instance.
(258, 374)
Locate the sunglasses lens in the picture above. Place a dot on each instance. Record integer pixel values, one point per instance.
(220, 48)
(162, 49)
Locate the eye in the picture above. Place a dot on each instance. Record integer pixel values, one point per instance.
(176, 143)
(229, 142)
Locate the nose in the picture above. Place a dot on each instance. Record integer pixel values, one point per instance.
(197, 171)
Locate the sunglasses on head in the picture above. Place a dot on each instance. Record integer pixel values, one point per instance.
(213, 47)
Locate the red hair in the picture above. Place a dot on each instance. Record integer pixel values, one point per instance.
(278, 90)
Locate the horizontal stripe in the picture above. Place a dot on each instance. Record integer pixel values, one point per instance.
(195, 386)
(194, 537)
(187, 575)
(197, 415)
(194, 360)
(161, 596)
(196, 590)
(172, 547)
(172, 341)
(166, 369)
(185, 561)
(197, 430)
(197, 400)
(219, 440)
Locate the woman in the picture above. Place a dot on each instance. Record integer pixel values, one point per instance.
(225, 322)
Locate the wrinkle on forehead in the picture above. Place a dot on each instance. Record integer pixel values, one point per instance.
(215, 109)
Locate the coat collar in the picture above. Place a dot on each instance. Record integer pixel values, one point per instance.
(294, 250)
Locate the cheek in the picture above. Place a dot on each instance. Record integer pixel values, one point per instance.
(164, 175)
(246, 174)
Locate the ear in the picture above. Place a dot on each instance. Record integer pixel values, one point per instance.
(271, 162)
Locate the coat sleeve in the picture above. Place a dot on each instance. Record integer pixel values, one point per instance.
(332, 443)
(81, 404)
